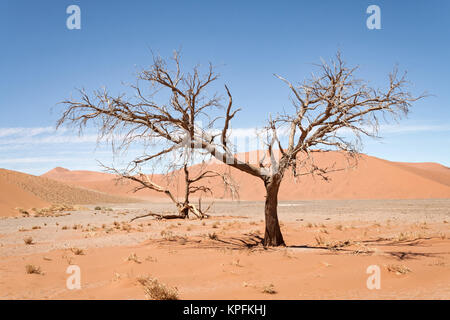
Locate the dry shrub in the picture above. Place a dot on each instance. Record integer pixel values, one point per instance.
(319, 240)
(28, 240)
(32, 269)
(24, 212)
(126, 227)
(77, 251)
(168, 235)
(133, 257)
(213, 236)
(269, 289)
(155, 290)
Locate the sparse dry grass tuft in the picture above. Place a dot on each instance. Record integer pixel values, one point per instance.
(332, 245)
(151, 259)
(403, 236)
(398, 269)
(437, 264)
(155, 290)
(319, 240)
(236, 263)
(338, 244)
(126, 227)
(362, 250)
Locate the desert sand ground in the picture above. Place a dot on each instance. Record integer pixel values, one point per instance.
(330, 245)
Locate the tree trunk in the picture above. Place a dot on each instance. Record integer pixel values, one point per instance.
(184, 212)
(272, 235)
(185, 207)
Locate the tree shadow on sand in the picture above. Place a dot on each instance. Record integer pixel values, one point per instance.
(253, 241)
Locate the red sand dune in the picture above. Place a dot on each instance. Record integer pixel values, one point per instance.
(20, 190)
(373, 178)
(11, 197)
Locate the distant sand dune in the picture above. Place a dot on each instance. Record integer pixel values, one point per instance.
(373, 178)
(27, 191)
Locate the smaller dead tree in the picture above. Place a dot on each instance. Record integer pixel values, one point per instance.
(192, 186)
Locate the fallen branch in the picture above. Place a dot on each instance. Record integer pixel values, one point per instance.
(159, 216)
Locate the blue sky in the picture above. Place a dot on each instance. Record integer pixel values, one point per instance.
(42, 62)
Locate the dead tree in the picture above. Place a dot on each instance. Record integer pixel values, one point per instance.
(332, 111)
(191, 187)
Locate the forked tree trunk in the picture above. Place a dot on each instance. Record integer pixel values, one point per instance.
(272, 235)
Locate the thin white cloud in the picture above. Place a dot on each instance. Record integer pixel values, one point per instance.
(49, 140)
(47, 135)
(26, 132)
(31, 160)
(413, 128)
